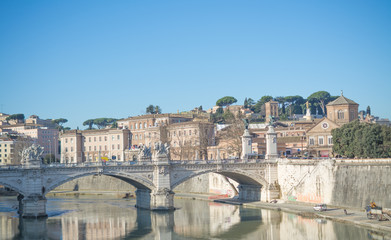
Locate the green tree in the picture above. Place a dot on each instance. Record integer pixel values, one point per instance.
(245, 103)
(158, 110)
(369, 110)
(89, 123)
(320, 98)
(60, 122)
(18, 116)
(226, 101)
(150, 109)
(362, 140)
(261, 102)
(294, 104)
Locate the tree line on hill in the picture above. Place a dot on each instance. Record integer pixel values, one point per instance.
(288, 105)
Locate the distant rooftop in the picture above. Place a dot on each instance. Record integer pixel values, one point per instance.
(342, 100)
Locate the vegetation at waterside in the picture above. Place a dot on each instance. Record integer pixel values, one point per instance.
(362, 140)
(99, 123)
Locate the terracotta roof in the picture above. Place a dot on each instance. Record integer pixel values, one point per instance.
(342, 101)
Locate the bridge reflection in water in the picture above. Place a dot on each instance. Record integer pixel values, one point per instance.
(89, 218)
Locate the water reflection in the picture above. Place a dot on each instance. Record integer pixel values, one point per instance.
(105, 218)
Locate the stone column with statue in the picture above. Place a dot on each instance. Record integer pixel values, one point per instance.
(33, 203)
(162, 197)
(246, 141)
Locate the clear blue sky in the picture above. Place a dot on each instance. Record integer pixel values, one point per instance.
(87, 59)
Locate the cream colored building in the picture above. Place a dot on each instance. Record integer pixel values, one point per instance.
(147, 129)
(45, 137)
(6, 151)
(94, 145)
(190, 140)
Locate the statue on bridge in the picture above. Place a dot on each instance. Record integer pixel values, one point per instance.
(144, 153)
(31, 156)
(162, 150)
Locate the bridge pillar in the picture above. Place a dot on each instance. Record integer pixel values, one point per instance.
(249, 192)
(143, 198)
(33, 206)
(162, 199)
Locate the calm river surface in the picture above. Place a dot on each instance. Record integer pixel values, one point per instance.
(106, 217)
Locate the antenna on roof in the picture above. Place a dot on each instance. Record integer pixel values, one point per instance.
(341, 92)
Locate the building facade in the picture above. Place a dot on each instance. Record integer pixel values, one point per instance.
(94, 145)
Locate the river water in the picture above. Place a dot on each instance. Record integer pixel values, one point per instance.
(106, 217)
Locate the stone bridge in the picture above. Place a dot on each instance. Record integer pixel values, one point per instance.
(154, 176)
(155, 180)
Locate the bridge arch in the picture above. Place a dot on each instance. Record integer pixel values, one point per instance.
(13, 187)
(240, 176)
(134, 180)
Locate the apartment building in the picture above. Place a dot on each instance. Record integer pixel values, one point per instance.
(6, 151)
(94, 145)
(44, 136)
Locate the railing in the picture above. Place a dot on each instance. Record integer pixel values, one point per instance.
(135, 163)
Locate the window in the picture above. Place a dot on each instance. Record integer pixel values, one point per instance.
(195, 131)
(112, 146)
(89, 139)
(94, 148)
(71, 140)
(140, 126)
(94, 139)
(71, 149)
(184, 133)
(118, 137)
(5, 155)
(341, 114)
(135, 126)
(119, 157)
(66, 140)
(189, 132)
(66, 149)
(330, 140)
(131, 127)
(312, 141)
(89, 148)
(105, 147)
(135, 136)
(118, 146)
(100, 139)
(100, 148)
(105, 138)
(112, 138)
(174, 134)
(320, 140)
(145, 125)
(141, 136)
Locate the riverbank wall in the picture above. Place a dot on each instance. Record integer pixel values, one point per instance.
(340, 182)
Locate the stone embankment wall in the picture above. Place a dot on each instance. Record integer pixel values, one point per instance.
(347, 182)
